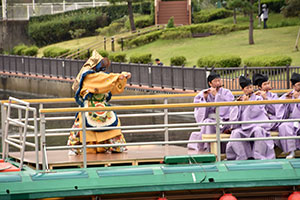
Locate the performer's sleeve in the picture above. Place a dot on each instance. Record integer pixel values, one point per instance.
(99, 83)
(225, 95)
(271, 108)
(200, 113)
(282, 110)
(256, 110)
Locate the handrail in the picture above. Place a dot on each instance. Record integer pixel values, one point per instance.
(130, 97)
(162, 106)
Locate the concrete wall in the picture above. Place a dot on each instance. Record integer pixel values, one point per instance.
(13, 33)
(40, 87)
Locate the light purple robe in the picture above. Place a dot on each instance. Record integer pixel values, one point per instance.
(205, 115)
(252, 149)
(271, 109)
(288, 111)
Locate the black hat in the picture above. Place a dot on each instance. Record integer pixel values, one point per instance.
(295, 78)
(244, 81)
(212, 76)
(258, 79)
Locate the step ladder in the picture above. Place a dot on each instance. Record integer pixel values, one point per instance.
(22, 123)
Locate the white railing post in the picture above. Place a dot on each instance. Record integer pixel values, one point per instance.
(84, 139)
(218, 133)
(3, 117)
(43, 137)
(166, 121)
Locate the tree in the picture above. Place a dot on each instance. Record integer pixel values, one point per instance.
(130, 11)
(234, 5)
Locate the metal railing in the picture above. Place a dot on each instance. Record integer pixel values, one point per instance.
(187, 126)
(185, 78)
(163, 128)
(19, 140)
(24, 11)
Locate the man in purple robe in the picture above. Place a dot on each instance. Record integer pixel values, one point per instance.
(264, 86)
(247, 149)
(216, 93)
(290, 111)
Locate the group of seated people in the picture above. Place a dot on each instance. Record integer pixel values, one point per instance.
(260, 149)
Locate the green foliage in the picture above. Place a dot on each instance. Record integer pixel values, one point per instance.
(219, 61)
(173, 34)
(77, 33)
(56, 30)
(53, 52)
(30, 51)
(210, 15)
(113, 29)
(48, 29)
(103, 53)
(143, 39)
(171, 23)
(292, 9)
(22, 49)
(113, 11)
(215, 28)
(143, 58)
(178, 60)
(263, 61)
(141, 21)
(17, 50)
(117, 57)
(273, 5)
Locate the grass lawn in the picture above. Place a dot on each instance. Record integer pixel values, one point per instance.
(277, 41)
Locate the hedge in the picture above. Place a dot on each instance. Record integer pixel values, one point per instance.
(44, 29)
(141, 21)
(53, 52)
(173, 34)
(22, 49)
(219, 61)
(117, 57)
(142, 40)
(178, 60)
(144, 58)
(210, 15)
(263, 61)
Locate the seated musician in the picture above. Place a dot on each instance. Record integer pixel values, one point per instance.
(216, 93)
(94, 88)
(247, 150)
(290, 111)
(264, 86)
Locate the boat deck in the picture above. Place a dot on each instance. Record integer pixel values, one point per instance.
(135, 155)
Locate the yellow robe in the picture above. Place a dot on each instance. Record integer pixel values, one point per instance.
(101, 83)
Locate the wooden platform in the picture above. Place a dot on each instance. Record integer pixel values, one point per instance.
(135, 155)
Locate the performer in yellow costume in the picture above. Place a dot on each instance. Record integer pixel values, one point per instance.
(94, 88)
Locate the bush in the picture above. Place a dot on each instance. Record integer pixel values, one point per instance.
(17, 50)
(30, 51)
(173, 34)
(211, 14)
(219, 61)
(112, 29)
(53, 52)
(263, 61)
(141, 21)
(171, 23)
(178, 60)
(292, 9)
(143, 39)
(144, 58)
(43, 29)
(117, 57)
(103, 53)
